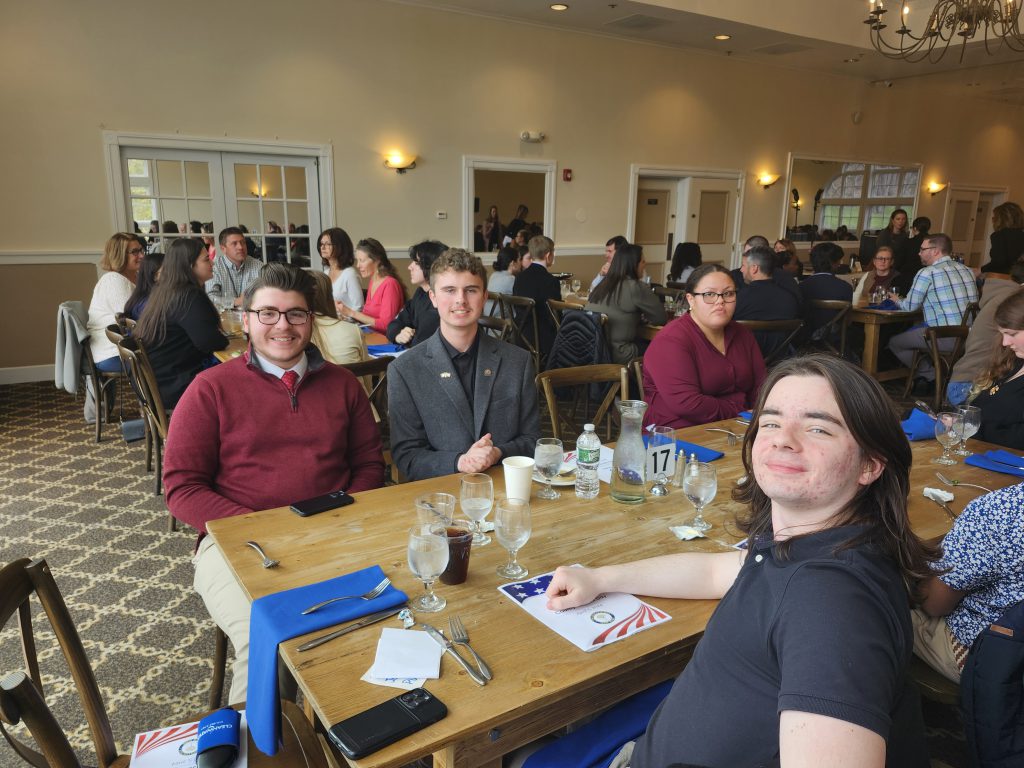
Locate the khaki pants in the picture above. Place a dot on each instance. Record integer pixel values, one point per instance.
(934, 644)
(228, 607)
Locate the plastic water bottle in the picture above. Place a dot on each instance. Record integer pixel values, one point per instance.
(588, 455)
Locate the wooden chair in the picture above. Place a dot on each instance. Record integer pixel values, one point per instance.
(579, 380)
(933, 685)
(677, 294)
(104, 387)
(675, 285)
(636, 366)
(942, 360)
(498, 327)
(558, 308)
(374, 374)
(784, 330)
(22, 695)
(157, 420)
(822, 336)
(522, 312)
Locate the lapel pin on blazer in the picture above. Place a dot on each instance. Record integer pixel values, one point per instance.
(445, 375)
(487, 371)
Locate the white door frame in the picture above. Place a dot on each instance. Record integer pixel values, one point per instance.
(113, 141)
(636, 170)
(980, 188)
(472, 163)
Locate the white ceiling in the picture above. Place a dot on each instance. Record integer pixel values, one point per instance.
(818, 35)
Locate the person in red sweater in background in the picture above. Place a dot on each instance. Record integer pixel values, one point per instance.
(703, 366)
(277, 425)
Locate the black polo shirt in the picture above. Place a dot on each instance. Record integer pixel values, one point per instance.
(821, 632)
(464, 364)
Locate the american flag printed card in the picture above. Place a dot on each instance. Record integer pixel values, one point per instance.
(611, 617)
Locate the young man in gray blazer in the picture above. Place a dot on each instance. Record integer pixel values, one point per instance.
(461, 400)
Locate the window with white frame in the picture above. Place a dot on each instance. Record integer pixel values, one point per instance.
(862, 196)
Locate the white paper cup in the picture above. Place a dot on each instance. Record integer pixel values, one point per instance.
(518, 476)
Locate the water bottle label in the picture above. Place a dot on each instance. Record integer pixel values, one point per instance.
(588, 455)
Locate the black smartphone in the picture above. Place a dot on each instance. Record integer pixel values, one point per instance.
(386, 723)
(319, 504)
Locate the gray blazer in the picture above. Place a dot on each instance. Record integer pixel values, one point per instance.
(431, 421)
(72, 319)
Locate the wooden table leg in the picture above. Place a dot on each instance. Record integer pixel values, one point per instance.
(452, 757)
(870, 360)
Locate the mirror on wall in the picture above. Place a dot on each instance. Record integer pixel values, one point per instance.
(507, 184)
(846, 200)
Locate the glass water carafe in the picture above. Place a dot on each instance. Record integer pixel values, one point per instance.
(629, 462)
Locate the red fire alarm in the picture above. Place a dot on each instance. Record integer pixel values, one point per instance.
(567, 174)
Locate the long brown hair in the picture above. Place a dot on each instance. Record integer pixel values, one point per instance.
(881, 508)
(177, 287)
(1010, 315)
(376, 252)
(342, 253)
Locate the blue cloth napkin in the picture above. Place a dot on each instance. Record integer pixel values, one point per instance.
(888, 304)
(703, 454)
(1005, 457)
(384, 349)
(985, 461)
(277, 617)
(748, 415)
(919, 426)
(599, 741)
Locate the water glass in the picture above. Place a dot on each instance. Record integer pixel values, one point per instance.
(428, 557)
(948, 428)
(576, 287)
(435, 508)
(700, 484)
(512, 526)
(476, 496)
(970, 416)
(548, 459)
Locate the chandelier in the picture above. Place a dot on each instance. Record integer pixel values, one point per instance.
(993, 20)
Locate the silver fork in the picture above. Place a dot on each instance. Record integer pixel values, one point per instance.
(375, 592)
(461, 637)
(267, 562)
(958, 484)
(732, 436)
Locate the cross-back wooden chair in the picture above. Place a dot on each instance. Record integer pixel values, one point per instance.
(570, 414)
(105, 385)
(636, 367)
(522, 312)
(157, 420)
(374, 375)
(22, 694)
(943, 357)
(784, 331)
(823, 335)
(558, 308)
(496, 326)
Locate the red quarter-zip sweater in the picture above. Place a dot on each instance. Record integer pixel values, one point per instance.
(238, 442)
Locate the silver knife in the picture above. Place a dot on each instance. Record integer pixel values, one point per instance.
(445, 643)
(945, 506)
(373, 618)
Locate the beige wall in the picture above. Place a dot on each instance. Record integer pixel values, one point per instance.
(368, 76)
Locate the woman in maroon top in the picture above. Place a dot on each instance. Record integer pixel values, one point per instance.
(702, 367)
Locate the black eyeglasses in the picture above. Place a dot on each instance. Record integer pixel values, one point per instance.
(270, 316)
(136, 251)
(710, 297)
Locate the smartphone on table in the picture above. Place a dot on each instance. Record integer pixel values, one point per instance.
(323, 503)
(386, 723)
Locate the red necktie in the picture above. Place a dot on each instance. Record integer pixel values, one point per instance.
(291, 380)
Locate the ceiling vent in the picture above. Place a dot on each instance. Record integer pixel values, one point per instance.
(781, 49)
(638, 22)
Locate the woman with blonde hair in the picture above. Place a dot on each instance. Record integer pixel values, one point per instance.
(121, 258)
(999, 391)
(338, 341)
(1008, 238)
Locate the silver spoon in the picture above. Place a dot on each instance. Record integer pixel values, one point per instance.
(267, 562)
(957, 484)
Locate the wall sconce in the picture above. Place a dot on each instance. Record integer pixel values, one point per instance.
(532, 137)
(399, 162)
(767, 179)
(258, 192)
(935, 187)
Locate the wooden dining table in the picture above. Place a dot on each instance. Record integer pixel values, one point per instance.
(873, 320)
(541, 681)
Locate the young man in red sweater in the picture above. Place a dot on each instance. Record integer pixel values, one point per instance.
(274, 426)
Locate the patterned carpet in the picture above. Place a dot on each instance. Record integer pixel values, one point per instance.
(89, 509)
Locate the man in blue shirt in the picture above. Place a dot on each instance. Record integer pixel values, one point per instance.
(944, 288)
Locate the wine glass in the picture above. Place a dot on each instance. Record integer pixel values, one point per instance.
(547, 457)
(428, 557)
(948, 428)
(700, 484)
(576, 286)
(512, 527)
(970, 415)
(476, 495)
(670, 306)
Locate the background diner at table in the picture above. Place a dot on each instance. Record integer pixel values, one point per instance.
(418, 319)
(338, 255)
(122, 256)
(999, 389)
(384, 294)
(703, 366)
(339, 341)
(145, 282)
